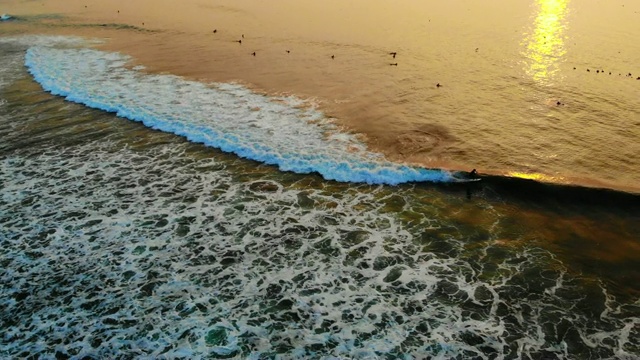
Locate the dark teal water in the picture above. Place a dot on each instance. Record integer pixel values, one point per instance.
(119, 241)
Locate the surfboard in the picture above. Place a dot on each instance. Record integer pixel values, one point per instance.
(464, 177)
(456, 179)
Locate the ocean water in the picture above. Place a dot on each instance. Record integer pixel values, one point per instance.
(148, 213)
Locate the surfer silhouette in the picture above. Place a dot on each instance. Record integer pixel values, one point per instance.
(473, 174)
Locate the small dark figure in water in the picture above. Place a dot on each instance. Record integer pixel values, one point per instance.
(588, 70)
(239, 42)
(473, 174)
(243, 36)
(438, 85)
(215, 31)
(288, 51)
(638, 78)
(597, 71)
(574, 68)
(253, 53)
(394, 64)
(333, 56)
(394, 54)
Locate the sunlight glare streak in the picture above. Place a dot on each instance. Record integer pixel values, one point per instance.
(545, 45)
(532, 176)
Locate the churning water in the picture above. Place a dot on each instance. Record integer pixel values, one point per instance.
(227, 223)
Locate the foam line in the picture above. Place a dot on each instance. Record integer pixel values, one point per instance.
(273, 130)
(172, 267)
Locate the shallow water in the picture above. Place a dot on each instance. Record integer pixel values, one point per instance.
(502, 76)
(121, 241)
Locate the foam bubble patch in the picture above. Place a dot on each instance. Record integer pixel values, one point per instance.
(107, 252)
(279, 131)
(150, 247)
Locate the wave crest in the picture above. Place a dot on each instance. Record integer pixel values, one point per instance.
(273, 130)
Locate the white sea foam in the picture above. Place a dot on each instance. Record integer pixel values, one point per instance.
(108, 251)
(274, 130)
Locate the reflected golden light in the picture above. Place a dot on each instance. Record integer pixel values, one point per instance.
(531, 176)
(546, 44)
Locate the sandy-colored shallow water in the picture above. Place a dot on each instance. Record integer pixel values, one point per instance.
(126, 233)
(504, 66)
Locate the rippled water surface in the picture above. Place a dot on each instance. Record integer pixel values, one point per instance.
(541, 88)
(149, 215)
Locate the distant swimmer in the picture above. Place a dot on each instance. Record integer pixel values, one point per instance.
(588, 70)
(239, 42)
(438, 85)
(215, 31)
(597, 71)
(333, 56)
(288, 51)
(393, 54)
(243, 36)
(473, 174)
(477, 49)
(253, 53)
(394, 64)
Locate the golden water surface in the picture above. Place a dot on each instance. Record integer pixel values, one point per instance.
(536, 89)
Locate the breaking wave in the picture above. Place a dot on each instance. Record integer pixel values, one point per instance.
(282, 131)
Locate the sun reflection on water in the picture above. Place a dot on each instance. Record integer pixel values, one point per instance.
(529, 176)
(544, 46)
